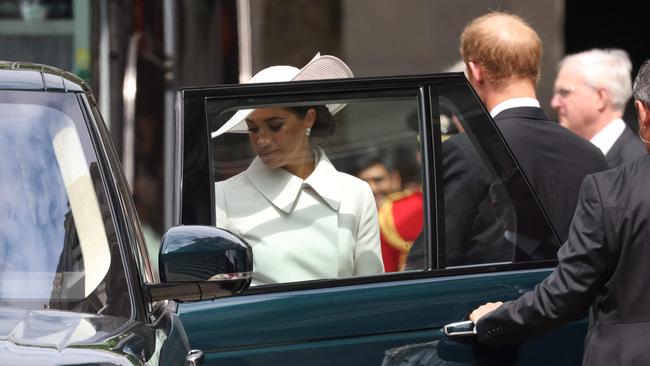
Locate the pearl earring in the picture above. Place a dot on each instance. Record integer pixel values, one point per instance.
(307, 131)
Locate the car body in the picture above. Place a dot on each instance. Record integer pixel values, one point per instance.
(367, 320)
(111, 309)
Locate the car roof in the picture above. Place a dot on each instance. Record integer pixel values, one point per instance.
(32, 76)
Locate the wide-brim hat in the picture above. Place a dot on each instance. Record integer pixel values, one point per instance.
(319, 68)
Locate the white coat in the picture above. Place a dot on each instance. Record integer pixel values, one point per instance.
(323, 227)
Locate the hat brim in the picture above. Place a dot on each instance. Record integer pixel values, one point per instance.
(237, 123)
(319, 68)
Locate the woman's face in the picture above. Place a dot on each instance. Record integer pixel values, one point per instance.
(278, 136)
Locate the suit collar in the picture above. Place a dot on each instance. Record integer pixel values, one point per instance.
(607, 137)
(514, 103)
(283, 189)
(627, 140)
(523, 112)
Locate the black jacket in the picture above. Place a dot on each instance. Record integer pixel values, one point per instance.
(603, 266)
(627, 147)
(554, 159)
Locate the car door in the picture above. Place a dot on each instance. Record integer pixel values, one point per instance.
(454, 235)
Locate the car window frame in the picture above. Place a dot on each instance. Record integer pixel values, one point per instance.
(425, 87)
(119, 202)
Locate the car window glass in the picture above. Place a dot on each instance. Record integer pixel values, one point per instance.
(490, 214)
(356, 215)
(462, 201)
(55, 247)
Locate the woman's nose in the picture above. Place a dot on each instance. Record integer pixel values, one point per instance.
(263, 139)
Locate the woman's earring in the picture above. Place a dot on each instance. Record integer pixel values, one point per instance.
(307, 131)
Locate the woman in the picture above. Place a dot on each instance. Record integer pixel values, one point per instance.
(303, 218)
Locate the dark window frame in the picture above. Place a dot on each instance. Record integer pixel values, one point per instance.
(426, 88)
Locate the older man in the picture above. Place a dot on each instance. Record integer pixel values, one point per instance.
(591, 91)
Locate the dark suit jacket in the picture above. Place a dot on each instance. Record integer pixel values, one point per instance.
(627, 147)
(554, 159)
(604, 266)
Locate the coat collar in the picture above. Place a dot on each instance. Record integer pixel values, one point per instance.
(282, 188)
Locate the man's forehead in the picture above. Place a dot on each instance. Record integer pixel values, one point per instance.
(571, 72)
(374, 170)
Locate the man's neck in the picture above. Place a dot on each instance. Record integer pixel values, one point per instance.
(603, 120)
(515, 89)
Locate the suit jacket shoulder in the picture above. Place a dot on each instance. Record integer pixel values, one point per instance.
(626, 148)
(553, 159)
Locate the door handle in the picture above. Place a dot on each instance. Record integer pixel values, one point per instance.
(194, 357)
(460, 329)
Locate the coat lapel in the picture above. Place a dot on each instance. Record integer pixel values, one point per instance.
(282, 188)
(324, 180)
(278, 186)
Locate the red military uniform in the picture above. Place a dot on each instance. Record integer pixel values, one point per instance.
(401, 218)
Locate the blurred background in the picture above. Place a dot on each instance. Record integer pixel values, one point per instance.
(135, 54)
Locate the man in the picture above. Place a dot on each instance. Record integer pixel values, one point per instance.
(591, 91)
(382, 180)
(502, 55)
(603, 266)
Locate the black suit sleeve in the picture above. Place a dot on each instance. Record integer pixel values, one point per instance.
(570, 289)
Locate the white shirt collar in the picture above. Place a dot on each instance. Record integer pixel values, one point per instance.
(606, 138)
(282, 188)
(513, 103)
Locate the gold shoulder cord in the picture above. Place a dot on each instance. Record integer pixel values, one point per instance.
(387, 223)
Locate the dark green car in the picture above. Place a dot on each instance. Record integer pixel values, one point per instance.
(397, 317)
(76, 281)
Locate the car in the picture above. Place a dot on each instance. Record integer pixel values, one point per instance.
(76, 286)
(370, 319)
(76, 281)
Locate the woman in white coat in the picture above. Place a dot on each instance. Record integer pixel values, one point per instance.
(304, 219)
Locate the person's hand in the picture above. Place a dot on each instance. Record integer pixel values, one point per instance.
(482, 310)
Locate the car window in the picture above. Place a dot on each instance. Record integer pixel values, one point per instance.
(490, 214)
(445, 190)
(55, 251)
(328, 225)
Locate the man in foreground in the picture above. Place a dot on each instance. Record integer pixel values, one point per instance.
(602, 267)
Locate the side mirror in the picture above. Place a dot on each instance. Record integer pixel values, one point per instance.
(201, 263)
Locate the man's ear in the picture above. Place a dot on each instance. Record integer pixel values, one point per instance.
(604, 98)
(475, 72)
(395, 180)
(643, 118)
(641, 113)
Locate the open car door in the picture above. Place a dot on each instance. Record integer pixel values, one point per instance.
(442, 264)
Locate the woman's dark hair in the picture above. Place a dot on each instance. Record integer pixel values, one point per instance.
(324, 125)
